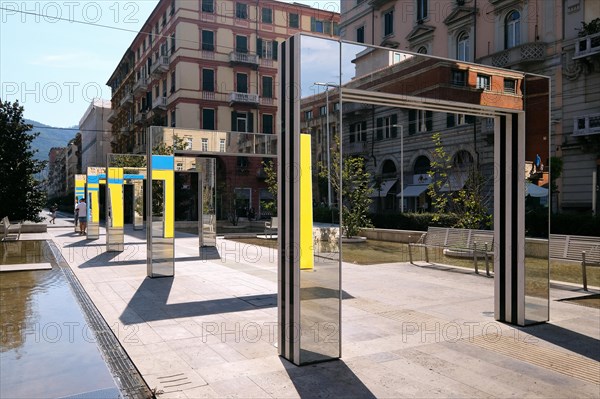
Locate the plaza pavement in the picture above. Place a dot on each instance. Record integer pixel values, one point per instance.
(407, 331)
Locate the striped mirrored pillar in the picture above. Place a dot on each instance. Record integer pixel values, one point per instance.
(114, 210)
(80, 181)
(95, 177)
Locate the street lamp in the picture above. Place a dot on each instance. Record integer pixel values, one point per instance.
(327, 86)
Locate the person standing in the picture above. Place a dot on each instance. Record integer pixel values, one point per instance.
(53, 210)
(82, 215)
(76, 213)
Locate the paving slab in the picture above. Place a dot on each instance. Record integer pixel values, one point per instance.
(408, 331)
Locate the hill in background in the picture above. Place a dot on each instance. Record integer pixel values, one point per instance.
(49, 137)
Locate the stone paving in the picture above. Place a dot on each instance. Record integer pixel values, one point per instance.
(408, 331)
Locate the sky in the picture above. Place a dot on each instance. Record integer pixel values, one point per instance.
(55, 67)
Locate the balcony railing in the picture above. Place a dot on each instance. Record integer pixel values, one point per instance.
(587, 125)
(586, 46)
(528, 52)
(243, 58)
(139, 118)
(248, 98)
(160, 103)
(160, 66)
(140, 86)
(126, 99)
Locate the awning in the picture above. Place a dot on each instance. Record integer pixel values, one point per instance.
(455, 182)
(535, 191)
(386, 186)
(414, 190)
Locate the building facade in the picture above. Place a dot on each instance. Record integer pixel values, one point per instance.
(57, 172)
(542, 37)
(95, 130)
(209, 65)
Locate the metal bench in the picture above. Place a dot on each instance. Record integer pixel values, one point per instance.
(271, 227)
(584, 249)
(10, 228)
(475, 243)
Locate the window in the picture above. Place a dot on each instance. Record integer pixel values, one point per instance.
(241, 80)
(188, 143)
(358, 132)
(173, 120)
(172, 43)
(164, 87)
(512, 29)
(267, 123)
(267, 87)
(241, 11)
(267, 15)
(419, 121)
(318, 25)
(221, 145)
(510, 86)
(208, 118)
(204, 144)
(459, 77)
(483, 82)
(462, 47)
(456, 119)
(388, 22)
(308, 115)
(422, 50)
(208, 40)
(150, 39)
(422, 9)
(208, 6)
(463, 160)
(422, 165)
(360, 34)
(172, 82)
(241, 122)
(172, 11)
(323, 110)
(266, 49)
(293, 20)
(241, 44)
(208, 80)
(156, 28)
(386, 127)
(164, 19)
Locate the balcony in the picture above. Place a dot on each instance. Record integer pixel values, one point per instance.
(139, 118)
(587, 46)
(528, 52)
(243, 58)
(587, 125)
(160, 66)
(245, 98)
(125, 129)
(356, 147)
(112, 116)
(159, 103)
(126, 99)
(140, 86)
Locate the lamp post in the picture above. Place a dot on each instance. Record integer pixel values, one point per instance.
(327, 86)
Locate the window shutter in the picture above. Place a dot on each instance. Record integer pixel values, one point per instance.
(429, 120)
(275, 50)
(352, 130)
(259, 46)
(379, 128)
(313, 24)
(412, 121)
(394, 120)
(233, 121)
(449, 120)
(469, 119)
(250, 127)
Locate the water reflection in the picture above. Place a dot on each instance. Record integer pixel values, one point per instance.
(44, 337)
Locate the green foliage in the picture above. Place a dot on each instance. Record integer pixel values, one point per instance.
(355, 189)
(589, 28)
(468, 202)
(413, 221)
(20, 194)
(271, 172)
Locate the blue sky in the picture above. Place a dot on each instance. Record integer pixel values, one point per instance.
(56, 67)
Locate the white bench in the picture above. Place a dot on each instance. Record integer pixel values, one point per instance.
(475, 243)
(271, 227)
(584, 249)
(10, 228)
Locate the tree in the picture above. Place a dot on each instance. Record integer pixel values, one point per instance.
(355, 189)
(270, 170)
(20, 195)
(469, 202)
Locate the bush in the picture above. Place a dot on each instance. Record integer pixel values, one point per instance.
(581, 224)
(324, 214)
(412, 221)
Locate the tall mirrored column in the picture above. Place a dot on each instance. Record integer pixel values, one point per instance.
(114, 210)
(95, 176)
(80, 181)
(208, 210)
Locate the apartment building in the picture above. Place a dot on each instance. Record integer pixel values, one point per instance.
(542, 37)
(95, 130)
(209, 65)
(57, 172)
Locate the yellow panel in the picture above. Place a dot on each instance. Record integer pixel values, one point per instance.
(94, 206)
(168, 176)
(116, 196)
(306, 201)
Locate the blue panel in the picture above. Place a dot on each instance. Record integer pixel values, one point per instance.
(102, 175)
(133, 177)
(115, 181)
(163, 162)
(93, 179)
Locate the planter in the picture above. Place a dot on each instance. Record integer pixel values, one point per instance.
(354, 240)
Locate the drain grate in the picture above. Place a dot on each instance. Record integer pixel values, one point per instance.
(126, 374)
